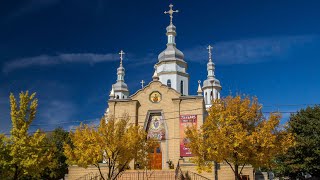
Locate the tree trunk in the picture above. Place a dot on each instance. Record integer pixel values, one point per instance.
(236, 172)
(16, 173)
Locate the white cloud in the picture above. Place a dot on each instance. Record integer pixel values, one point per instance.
(47, 60)
(255, 50)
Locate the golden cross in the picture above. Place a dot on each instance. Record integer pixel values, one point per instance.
(121, 56)
(210, 53)
(170, 12)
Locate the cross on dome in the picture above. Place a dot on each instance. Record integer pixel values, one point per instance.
(170, 12)
(121, 56)
(210, 52)
(142, 83)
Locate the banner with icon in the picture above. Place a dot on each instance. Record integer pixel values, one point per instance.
(185, 121)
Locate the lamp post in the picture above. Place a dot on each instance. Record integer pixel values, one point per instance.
(215, 163)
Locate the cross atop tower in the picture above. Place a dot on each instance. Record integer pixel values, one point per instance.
(142, 83)
(121, 57)
(170, 12)
(210, 52)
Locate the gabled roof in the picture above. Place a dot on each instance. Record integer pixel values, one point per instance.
(148, 86)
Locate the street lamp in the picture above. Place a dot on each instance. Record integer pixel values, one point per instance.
(215, 163)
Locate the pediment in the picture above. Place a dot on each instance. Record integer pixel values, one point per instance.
(156, 86)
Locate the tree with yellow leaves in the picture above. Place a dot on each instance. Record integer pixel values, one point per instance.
(24, 155)
(116, 142)
(237, 133)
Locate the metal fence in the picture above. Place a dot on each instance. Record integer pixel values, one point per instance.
(90, 176)
(195, 176)
(178, 174)
(150, 175)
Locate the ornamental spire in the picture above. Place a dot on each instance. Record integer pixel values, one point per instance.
(199, 89)
(120, 88)
(112, 93)
(120, 70)
(170, 12)
(210, 52)
(155, 76)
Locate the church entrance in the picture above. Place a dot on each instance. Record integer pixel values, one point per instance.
(156, 130)
(155, 158)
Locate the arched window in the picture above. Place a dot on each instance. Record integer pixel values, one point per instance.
(117, 97)
(211, 96)
(169, 83)
(181, 87)
(217, 95)
(206, 98)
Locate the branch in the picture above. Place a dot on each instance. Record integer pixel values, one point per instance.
(98, 166)
(242, 167)
(109, 166)
(230, 165)
(121, 169)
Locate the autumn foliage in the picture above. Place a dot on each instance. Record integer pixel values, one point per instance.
(116, 142)
(24, 155)
(236, 132)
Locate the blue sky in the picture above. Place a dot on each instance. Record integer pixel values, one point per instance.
(67, 51)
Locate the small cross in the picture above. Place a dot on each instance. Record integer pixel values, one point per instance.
(170, 12)
(210, 53)
(142, 83)
(121, 56)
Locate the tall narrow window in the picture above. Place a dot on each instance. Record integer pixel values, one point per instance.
(169, 83)
(206, 98)
(181, 87)
(211, 96)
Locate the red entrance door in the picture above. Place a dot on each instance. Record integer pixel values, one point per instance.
(155, 158)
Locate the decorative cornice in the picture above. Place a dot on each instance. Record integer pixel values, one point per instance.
(174, 72)
(183, 63)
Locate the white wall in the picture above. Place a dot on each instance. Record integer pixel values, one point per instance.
(175, 78)
(175, 82)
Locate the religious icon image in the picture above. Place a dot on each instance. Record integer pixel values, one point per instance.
(156, 128)
(156, 123)
(155, 97)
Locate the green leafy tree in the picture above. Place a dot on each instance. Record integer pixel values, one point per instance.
(117, 142)
(24, 155)
(4, 156)
(304, 157)
(237, 133)
(59, 168)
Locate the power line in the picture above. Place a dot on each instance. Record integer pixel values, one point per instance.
(165, 119)
(144, 115)
(139, 122)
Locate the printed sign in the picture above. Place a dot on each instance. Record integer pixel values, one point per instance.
(185, 121)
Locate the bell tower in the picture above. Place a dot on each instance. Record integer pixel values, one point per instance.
(211, 86)
(171, 67)
(120, 89)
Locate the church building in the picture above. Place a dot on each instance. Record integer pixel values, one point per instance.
(165, 107)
